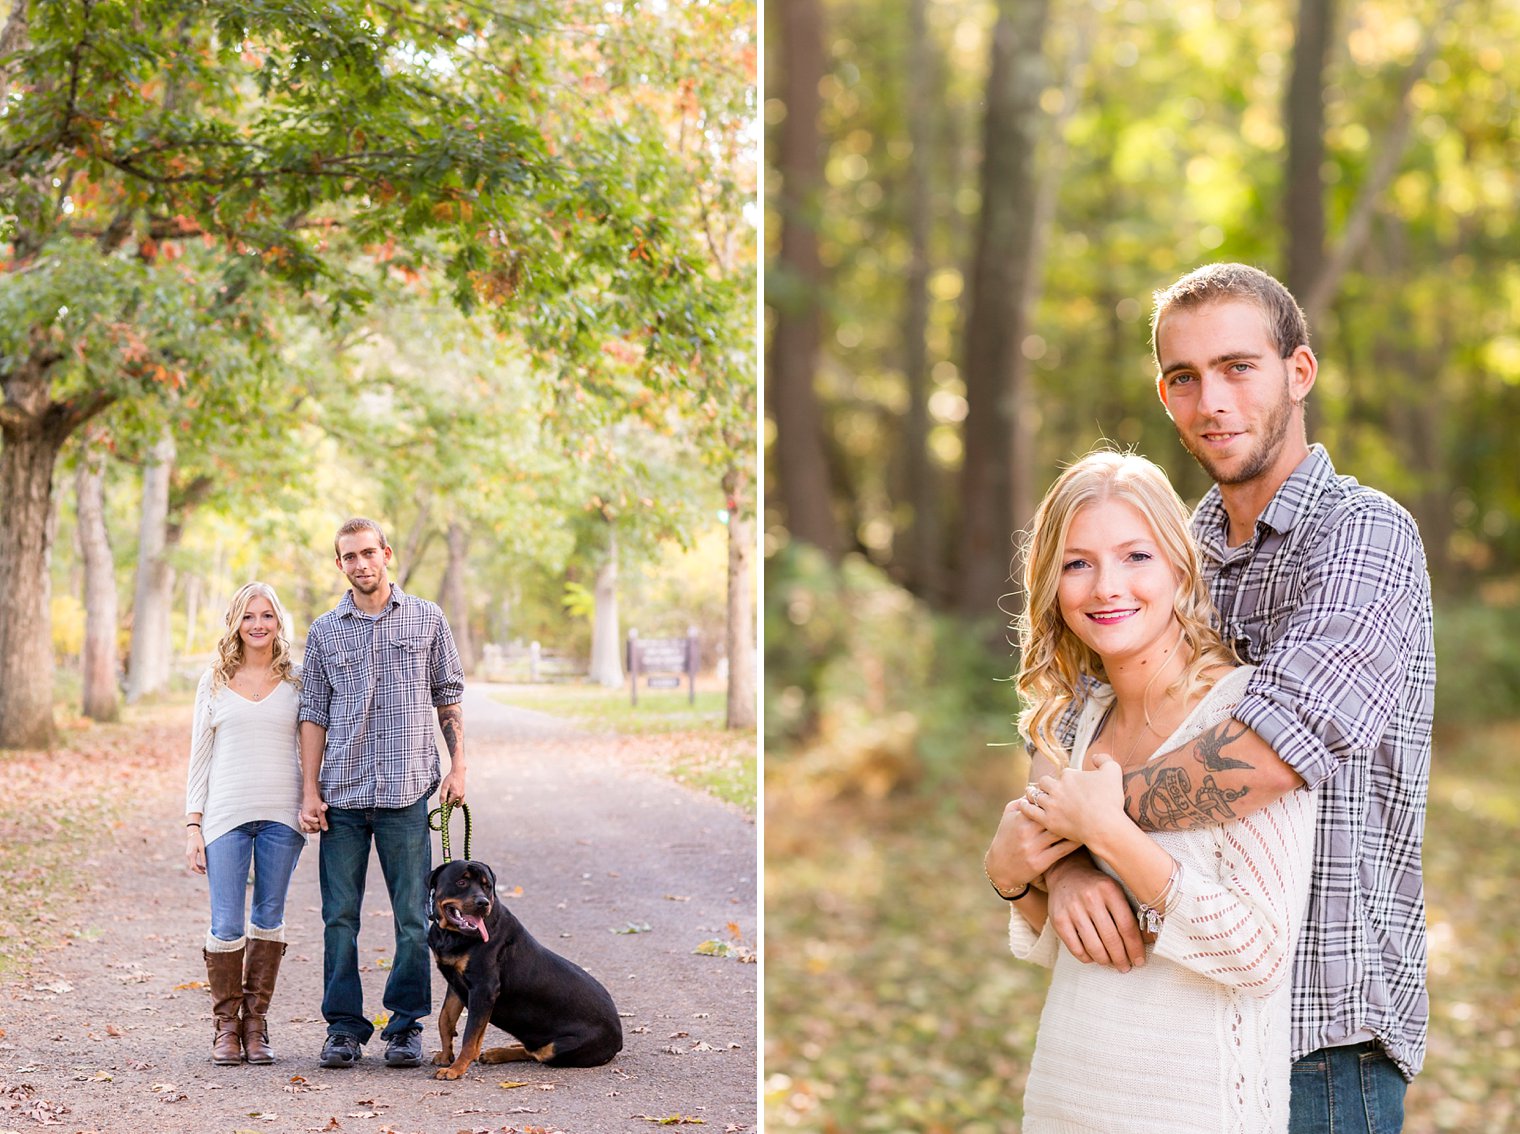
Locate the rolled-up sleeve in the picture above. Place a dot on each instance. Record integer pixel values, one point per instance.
(445, 670)
(1330, 684)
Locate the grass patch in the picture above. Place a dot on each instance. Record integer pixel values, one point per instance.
(687, 742)
(594, 707)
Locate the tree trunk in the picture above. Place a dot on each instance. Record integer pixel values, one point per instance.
(26, 626)
(606, 648)
(923, 555)
(995, 368)
(801, 465)
(1304, 196)
(101, 665)
(454, 594)
(33, 429)
(740, 637)
(148, 663)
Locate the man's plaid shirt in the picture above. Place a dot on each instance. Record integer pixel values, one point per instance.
(1330, 600)
(375, 683)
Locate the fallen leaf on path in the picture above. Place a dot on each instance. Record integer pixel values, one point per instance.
(672, 1120)
(363, 1114)
(716, 948)
(635, 927)
(113, 1030)
(677, 898)
(510, 1084)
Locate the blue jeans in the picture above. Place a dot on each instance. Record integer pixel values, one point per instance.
(274, 849)
(1355, 1089)
(401, 840)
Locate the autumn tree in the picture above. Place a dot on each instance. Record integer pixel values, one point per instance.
(290, 139)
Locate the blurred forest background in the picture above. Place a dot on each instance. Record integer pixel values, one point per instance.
(485, 273)
(970, 204)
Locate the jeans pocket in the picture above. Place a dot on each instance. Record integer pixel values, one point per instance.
(1383, 1088)
(1309, 1101)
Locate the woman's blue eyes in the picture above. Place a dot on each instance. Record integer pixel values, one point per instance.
(1132, 557)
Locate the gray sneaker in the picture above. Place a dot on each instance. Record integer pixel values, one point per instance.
(404, 1049)
(341, 1051)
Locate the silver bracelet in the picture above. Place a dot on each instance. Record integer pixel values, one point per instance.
(1152, 914)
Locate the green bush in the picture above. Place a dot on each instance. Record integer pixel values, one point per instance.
(858, 667)
(1477, 662)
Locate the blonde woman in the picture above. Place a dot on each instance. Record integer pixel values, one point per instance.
(242, 805)
(1117, 632)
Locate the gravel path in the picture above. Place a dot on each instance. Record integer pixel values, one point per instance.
(617, 868)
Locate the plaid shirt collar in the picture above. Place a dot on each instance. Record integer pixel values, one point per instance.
(1291, 503)
(348, 608)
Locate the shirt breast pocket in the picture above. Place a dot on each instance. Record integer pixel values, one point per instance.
(1253, 636)
(347, 671)
(406, 663)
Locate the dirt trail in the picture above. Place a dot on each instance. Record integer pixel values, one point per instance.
(605, 862)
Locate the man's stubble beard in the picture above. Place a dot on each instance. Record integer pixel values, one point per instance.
(1260, 458)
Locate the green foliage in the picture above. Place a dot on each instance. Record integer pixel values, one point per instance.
(1477, 661)
(578, 600)
(1164, 154)
(866, 682)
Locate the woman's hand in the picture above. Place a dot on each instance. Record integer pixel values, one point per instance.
(1080, 805)
(1022, 849)
(195, 850)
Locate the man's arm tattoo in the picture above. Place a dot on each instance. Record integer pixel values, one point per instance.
(451, 722)
(1211, 746)
(1168, 801)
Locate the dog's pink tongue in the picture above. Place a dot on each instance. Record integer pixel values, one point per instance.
(477, 924)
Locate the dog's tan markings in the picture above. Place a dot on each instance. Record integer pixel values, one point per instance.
(513, 1053)
(469, 1052)
(448, 1017)
(544, 1054)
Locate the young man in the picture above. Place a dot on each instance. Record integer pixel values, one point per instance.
(377, 669)
(1322, 584)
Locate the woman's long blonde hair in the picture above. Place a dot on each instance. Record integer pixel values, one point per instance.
(229, 651)
(1053, 659)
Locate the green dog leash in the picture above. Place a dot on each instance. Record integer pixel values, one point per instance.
(438, 820)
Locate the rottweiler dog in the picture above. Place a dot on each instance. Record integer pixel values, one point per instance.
(558, 1012)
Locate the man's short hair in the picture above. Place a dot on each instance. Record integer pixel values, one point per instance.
(358, 524)
(1215, 282)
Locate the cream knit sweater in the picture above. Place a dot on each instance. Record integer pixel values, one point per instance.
(245, 763)
(1196, 1040)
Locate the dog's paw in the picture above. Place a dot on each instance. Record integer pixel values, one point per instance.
(447, 1073)
(443, 1058)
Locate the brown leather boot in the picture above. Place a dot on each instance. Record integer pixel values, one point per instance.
(224, 972)
(258, 988)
